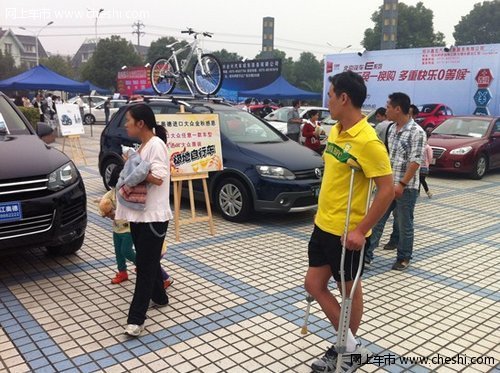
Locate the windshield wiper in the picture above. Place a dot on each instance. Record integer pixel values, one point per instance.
(268, 142)
(456, 134)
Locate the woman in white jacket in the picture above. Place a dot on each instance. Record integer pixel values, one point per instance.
(148, 226)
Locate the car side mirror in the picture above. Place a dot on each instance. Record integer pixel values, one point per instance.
(439, 113)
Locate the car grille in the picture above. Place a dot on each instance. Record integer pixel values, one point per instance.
(437, 152)
(305, 201)
(308, 174)
(26, 226)
(74, 211)
(20, 189)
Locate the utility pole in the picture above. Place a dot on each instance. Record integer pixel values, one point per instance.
(138, 26)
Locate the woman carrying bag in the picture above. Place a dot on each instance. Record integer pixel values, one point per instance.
(148, 223)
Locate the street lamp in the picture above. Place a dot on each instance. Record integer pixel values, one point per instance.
(96, 19)
(36, 37)
(341, 49)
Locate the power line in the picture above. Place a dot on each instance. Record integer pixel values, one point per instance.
(138, 26)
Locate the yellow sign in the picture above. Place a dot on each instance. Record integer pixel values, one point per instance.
(193, 141)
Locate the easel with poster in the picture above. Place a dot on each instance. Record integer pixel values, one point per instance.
(195, 150)
(71, 127)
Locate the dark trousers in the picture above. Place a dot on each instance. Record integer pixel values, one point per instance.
(423, 182)
(106, 120)
(148, 240)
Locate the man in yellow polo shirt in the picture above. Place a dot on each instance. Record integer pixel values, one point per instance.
(352, 137)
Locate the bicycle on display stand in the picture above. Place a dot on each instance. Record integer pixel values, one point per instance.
(207, 75)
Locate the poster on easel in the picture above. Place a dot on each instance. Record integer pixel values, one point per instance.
(70, 120)
(193, 141)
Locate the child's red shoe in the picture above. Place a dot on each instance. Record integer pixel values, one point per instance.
(169, 281)
(120, 277)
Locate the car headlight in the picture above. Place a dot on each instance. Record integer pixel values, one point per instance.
(275, 172)
(62, 177)
(461, 151)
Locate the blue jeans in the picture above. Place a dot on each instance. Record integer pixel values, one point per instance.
(403, 217)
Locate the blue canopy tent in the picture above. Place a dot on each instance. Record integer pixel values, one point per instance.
(102, 91)
(281, 89)
(41, 77)
(151, 92)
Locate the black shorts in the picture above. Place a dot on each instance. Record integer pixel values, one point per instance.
(326, 249)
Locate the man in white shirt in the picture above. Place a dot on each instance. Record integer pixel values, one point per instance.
(81, 105)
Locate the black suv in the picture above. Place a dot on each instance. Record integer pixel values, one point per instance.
(263, 169)
(42, 196)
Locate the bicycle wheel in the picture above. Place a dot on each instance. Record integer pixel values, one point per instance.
(208, 79)
(162, 76)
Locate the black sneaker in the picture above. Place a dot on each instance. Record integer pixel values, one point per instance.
(401, 265)
(390, 246)
(327, 363)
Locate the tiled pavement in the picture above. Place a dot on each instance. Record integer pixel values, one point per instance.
(238, 302)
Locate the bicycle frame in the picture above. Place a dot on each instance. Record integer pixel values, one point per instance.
(182, 70)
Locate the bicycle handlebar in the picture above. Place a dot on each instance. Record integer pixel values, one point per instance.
(190, 31)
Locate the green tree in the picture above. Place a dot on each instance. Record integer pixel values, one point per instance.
(224, 56)
(415, 28)
(111, 54)
(158, 49)
(308, 72)
(7, 66)
(480, 26)
(286, 62)
(60, 64)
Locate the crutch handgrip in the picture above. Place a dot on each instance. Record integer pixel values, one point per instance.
(353, 164)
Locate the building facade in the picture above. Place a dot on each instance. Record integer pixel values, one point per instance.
(22, 48)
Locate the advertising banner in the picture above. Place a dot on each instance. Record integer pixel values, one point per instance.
(250, 74)
(132, 79)
(465, 78)
(70, 120)
(193, 141)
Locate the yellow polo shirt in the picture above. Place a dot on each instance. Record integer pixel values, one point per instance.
(361, 143)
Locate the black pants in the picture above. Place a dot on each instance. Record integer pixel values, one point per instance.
(423, 183)
(148, 240)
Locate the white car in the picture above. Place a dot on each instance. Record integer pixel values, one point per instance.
(279, 118)
(96, 100)
(97, 112)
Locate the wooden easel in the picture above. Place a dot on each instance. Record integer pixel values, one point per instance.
(177, 181)
(76, 148)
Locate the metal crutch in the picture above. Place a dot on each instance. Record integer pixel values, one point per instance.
(345, 309)
(309, 299)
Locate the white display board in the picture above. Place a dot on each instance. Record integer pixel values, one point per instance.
(427, 75)
(70, 120)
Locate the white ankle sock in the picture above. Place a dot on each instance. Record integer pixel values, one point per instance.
(351, 342)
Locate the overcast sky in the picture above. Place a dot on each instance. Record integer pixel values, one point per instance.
(299, 25)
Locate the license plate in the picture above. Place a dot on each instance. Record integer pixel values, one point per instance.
(315, 191)
(433, 161)
(10, 211)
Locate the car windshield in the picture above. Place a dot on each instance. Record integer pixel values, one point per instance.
(242, 127)
(10, 122)
(280, 115)
(426, 109)
(469, 127)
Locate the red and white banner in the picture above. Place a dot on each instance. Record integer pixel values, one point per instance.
(427, 75)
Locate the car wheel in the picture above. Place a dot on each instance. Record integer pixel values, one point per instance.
(233, 200)
(480, 167)
(108, 167)
(429, 129)
(66, 249)
(89, 119)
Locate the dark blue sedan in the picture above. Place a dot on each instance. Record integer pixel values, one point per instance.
(263, 170)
